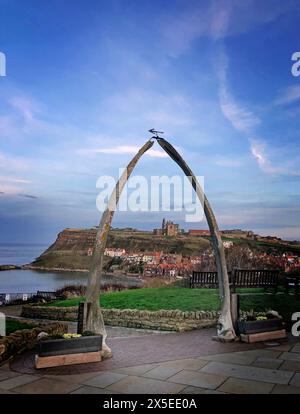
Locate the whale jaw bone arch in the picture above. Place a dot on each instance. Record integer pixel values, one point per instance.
(94, 318)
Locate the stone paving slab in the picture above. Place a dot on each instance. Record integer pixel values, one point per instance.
(139, 385)
(47, 386)
(248, 372)
(285, 389)
(198, 379)
(290, 366)
(124, 332)
(92, 390)
(267, 353)
(271, 363)
(14, 382)
(290, 356)
(2, 392)
(5, 374)
(75, 379)
(104, 379)
(242, 386)
(282, 347)
(188, 363)
(136, 370)
(233, 358)
(161, 372)
(296, 348)
(244, 357)
(296, 380)
(197, 390)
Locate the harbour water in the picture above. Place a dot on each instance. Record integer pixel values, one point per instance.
(29, 281)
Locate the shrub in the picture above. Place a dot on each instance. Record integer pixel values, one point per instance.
(88, 333)
(70, 291)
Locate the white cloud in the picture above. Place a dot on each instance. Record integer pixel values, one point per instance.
(10, 189)
(221, 19)
(290, 95)
(242, 119)
(28, 118)
(26, 106)
(11, 185)
(16, 180)
(258, 150)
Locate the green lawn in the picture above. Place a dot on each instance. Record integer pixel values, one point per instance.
(13, 325)
(155, 299)
(191, 299)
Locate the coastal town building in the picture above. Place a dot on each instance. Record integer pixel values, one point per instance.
(227, 244)
(173, 265)
(151, 257)
(114, 252)
(199, 233)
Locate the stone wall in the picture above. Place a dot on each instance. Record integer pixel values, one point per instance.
(24, 339)
(50, 312)
(168, 320)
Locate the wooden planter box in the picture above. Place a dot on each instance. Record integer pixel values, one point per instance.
(266, 330)
(57, 352)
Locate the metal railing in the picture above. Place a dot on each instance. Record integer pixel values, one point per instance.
(9, 298)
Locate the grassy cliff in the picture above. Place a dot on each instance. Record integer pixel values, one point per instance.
(70, 250)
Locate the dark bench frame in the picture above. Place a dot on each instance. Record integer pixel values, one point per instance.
(204, 279)
(265, 278)
(46, 295)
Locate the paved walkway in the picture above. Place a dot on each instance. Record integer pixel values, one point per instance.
(170, 364)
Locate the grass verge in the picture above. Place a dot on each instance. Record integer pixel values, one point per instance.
(14, 325)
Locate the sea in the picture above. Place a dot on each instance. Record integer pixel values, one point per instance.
(30, 281)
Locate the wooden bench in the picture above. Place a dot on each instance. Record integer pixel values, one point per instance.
(204, 279)
(46, 295)
(265, 278)
(255, 278)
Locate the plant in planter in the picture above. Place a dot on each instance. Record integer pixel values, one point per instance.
(68, 349)
(261, 327)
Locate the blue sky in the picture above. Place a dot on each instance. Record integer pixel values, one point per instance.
(87, 79)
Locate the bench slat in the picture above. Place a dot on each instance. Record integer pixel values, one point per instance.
(239, 278)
